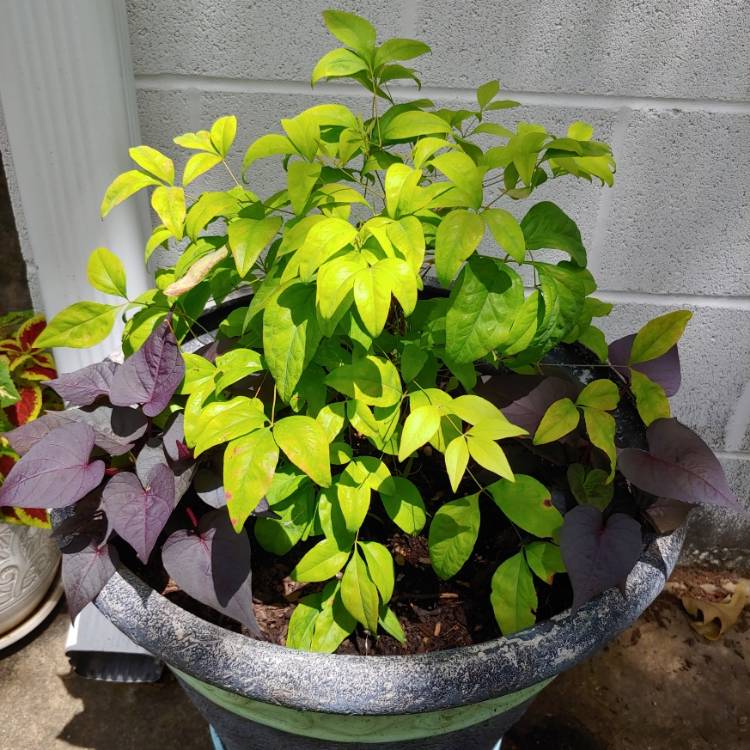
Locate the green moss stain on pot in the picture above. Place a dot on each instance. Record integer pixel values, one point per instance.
(363, 729)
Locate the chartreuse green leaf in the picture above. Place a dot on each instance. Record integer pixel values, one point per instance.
(456, 460)
(453, 534)
(487, 92)
(513, 596)
(271, 144)
(600, 394)
(302, 177)
(590, 487)
(650, 399)
(198, 370)
(600, 427)
(399, 49)
(235, 365)
(481, 309)
(544, 559)
(338, 63)
(507, 232)
(333, 624)
(354, 486)
(302, 622)
(304, 442)
(524, 326)
(249, 466)
(380, 567)
(322, 242)
(373, 287)
(332, 418)
(222, 134)
(221, 421)
(207, 208)
(199, 164)
(334, 287)
(359, 594)
(320, 563)
(389, 622)
(106, 273)
(593, 339)
(123, 186)
(457, 237)
(560, 419)
(248, 237)
(154, 162)
(403, 504)
(461, 170)
(159, 236)
(490, 455)
(371, 380)
(352, 30)
(413, 124)
(79, 325)
(658, 336)
(528, 504)
(290, 334)
(419, 428)
(169, 204)
(200, 141)
(548, 226)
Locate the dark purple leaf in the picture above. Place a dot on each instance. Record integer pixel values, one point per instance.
(84, 520)
(677, 465)
(139, 513)
(213, 566)
(209, 488)
(174, 436)
(84, 386)
(667, 515)
(55, 472)
(150, 456)
(527, 412)
(84, 573)
(25, 437)
(598, 555)
(502, 390)
(664, 370)
(116, 429)
(151, 375)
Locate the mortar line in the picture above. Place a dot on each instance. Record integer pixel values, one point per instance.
(732, 455)
(172, 81)
(617, 142)
(737, 425)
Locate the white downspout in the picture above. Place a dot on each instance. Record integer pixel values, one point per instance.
(67, 95)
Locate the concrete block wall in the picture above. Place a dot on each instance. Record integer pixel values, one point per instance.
(667, 82)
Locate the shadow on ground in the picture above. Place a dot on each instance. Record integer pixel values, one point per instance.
(659, 686)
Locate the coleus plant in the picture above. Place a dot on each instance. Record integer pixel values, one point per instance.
(398, 326)
(23, 365)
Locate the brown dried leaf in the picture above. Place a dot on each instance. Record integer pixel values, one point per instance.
(718, 617)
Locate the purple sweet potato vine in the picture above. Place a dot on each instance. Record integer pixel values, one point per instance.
(315, 407)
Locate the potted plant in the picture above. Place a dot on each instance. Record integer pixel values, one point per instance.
(29, 558)
(403, 432)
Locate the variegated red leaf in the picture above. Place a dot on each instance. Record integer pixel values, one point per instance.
(29, 331)
(28, 407)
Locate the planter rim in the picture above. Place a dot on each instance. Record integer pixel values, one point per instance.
(382, 685)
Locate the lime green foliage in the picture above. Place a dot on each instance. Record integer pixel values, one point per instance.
(340, 375)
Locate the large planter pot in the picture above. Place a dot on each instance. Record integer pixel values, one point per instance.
(260, 695)
(29, 560)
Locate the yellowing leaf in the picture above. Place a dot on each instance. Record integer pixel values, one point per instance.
(304, 442)
(560, 418)
(650, 400)
(197, 165)
(453, 534)
(169, 204)
(248, 237)
(601, 394)
(490, 455)
(323, 561)
(359, 594)
(80, 325)
(456, 460)
(513, 596)
(528, 504)
(106, 272)
(658, 336)
(600, 427)
(419, 428)
(153, 161)
(223, 132)
(457, 236)
(123, 186)
(249, 466)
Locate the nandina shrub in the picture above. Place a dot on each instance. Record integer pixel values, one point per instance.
(341, 402)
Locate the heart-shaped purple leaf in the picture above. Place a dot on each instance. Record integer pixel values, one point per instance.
(84, 573)
(84, 386)
(139, 513)
(25, 437)
(174, 437)
(677, 465)
(151, 375)
(55, 472)
(664, 370)
(598, 555)
(116, 429)
(213, 566)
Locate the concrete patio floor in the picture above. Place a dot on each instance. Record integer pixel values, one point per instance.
(659, 686)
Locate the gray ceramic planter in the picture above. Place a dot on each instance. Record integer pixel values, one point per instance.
(260, 695)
